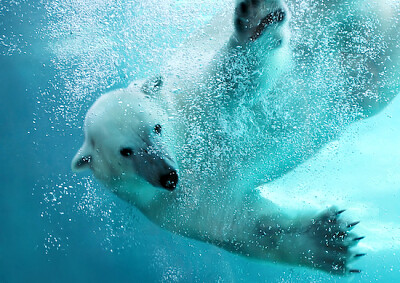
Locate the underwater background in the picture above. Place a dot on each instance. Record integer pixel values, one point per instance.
(56, 58)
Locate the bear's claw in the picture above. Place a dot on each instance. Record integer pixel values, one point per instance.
(358, 239)
(340, 211)
(351, 225)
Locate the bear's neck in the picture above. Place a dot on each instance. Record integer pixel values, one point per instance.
(149, 200)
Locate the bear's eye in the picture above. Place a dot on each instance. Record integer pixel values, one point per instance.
(157, 129)
(126, 151)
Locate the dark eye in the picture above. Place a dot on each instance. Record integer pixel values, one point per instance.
(126, 151)
(157, 129)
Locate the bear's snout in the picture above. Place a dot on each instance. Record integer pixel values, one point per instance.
(169, 180)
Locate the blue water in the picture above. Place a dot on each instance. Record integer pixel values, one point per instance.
(56, 58)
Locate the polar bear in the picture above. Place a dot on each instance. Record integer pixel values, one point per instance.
(189, 148)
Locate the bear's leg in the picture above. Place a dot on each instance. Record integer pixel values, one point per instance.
(255, 55)
(254, 17)
(322, 242)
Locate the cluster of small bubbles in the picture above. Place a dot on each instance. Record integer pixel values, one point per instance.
(55, 211)
(101, 45)
(52, 198)
(170, 272)
(117, 224)
(12, 39)
(90, 200)
(64, 201)
(53, 242)
(172, 275)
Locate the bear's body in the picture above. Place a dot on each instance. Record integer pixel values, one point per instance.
(247, 117)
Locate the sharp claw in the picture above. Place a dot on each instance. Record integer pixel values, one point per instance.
(355, 271)
(359, 238)
(351, 225)
(340, 211)
(360, 255)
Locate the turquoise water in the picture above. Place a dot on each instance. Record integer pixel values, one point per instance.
(57, 57)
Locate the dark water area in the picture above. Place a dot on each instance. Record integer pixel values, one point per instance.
(57, 226)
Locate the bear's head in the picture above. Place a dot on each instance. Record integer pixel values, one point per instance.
(125, 141)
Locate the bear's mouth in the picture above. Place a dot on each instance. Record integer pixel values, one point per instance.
(169, 181)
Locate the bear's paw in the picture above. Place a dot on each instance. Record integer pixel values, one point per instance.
(253, 17)
(329, 243)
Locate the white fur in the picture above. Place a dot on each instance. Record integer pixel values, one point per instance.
(247, 115)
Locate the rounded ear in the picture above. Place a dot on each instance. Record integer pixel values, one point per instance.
(81, 160)
(153, 85)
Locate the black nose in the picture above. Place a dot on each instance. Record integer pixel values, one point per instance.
(169, 181)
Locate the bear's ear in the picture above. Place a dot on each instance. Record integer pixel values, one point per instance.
(81, 160)
(153, 85)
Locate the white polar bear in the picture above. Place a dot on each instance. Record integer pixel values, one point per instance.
(210, 133)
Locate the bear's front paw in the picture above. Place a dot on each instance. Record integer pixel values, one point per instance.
(252, 17)
(331, 242)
